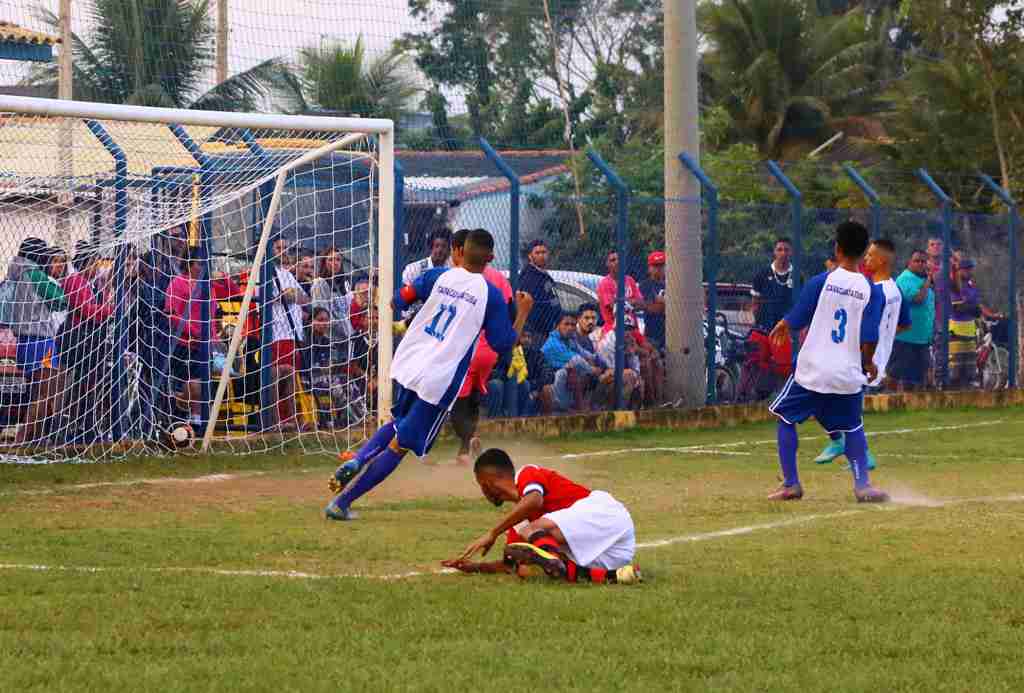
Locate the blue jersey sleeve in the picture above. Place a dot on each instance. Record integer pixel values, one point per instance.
(872, 318)
(500, 334)
(800, 315)
(423, 285)
(904, 320)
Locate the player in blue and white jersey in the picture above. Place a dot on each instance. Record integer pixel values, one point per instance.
(880, 258)
(842, 310)
(431, 362)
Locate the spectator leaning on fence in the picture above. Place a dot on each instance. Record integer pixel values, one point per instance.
(910, 354)
(330, 292)
(653, 290)
(535, 280)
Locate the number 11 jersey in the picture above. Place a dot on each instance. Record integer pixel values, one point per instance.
(434, 355)
(841, 310)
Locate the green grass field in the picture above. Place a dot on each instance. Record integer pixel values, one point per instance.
(221, 574)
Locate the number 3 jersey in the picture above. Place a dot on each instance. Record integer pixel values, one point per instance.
(434, 355)
(841, 310)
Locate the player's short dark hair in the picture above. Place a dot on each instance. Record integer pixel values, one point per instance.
(885, 244)
(459, 238)
(495, 461)
(479, 247)
(536, 243)
(852, 239)
(445, 234)
(589, 306)
(783, 239)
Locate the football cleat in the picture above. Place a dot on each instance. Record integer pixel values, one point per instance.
(870, 494)
(333, 511)
(628, 575)
(551, 563)
(344, 474)
(834, 449)
(785, 493)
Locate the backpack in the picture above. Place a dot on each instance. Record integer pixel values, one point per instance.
(8, 289)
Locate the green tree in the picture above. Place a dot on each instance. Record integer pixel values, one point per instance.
(783, 70)
(336, 77)
(156, 53)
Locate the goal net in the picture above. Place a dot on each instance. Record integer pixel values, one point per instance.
(183, 280)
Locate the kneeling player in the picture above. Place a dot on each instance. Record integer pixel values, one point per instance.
(564, 528)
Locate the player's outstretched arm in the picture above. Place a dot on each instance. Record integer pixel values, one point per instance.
(528, 505)
(491, 567)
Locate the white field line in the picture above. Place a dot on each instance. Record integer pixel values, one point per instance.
(717, 448)
(688, 538)
(207, 479)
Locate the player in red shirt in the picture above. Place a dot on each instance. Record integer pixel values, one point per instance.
(566, 529)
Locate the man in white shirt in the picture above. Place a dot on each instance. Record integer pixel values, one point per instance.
(286, 301)
(440, 244)
(842, 311)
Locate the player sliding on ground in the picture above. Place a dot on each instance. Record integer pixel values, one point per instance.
(566, 529)
(431, 363)
(841, 310)
(879, 260)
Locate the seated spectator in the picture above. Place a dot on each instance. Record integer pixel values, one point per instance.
(632, 378)
(37, 297)
(653, 291)
(602, 393)
(911, 349)
(540, 376)
(324, 371)
(184, 312)
(607, 292)
(573, 372)
(535, 280)
(508, 394)
(286, 324)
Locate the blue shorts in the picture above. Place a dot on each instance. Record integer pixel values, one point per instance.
(32, 351)
(417, 423)
(835, 413)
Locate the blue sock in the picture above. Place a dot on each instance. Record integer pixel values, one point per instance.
(857, 453)
(377, 442)
(788, 443)
(379, 470)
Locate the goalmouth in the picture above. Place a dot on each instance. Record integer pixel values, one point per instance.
(176, 277)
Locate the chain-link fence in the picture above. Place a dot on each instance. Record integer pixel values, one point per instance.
(570, 252)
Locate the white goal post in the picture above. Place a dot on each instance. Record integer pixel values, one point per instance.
(142, 162)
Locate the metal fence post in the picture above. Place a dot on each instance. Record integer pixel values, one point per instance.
(513, 204)
(796, 234)
(120, 379)
(869, 192)
(942, 367)
(399, 242)
(1013, 223)
(710, 192)
(621, 224)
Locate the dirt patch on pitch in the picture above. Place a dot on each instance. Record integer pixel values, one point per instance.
(437, 477)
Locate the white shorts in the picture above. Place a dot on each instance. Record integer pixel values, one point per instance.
(599, 531)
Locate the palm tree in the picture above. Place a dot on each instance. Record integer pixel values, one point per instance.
(157, 53)
(785, 70)
(339, 78)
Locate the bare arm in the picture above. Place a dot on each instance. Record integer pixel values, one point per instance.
(530, 504)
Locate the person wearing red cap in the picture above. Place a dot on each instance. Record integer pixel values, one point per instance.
(653, 290)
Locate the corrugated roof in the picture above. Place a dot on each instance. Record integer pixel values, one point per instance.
(12, 33)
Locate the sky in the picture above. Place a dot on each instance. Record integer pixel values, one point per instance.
(260, 29)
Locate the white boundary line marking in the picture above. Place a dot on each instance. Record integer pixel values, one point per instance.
(208, 478)
(687, 538)
(717, 448)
